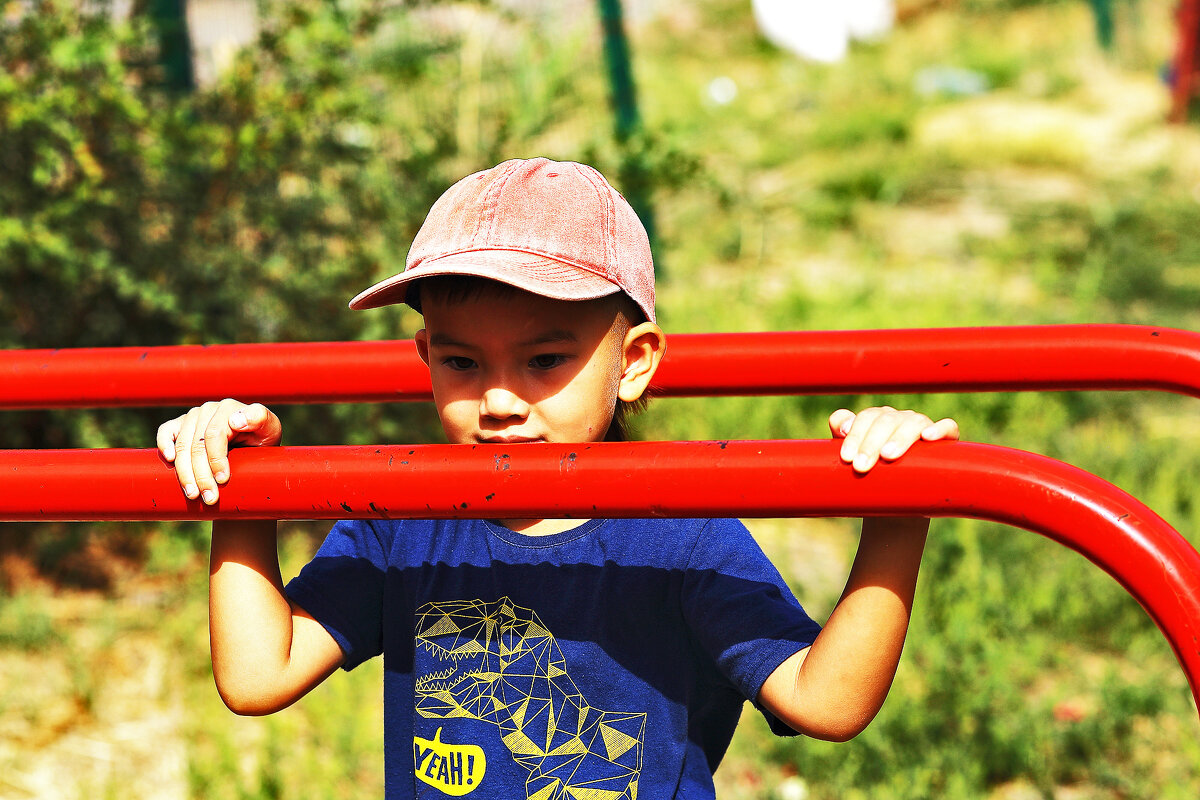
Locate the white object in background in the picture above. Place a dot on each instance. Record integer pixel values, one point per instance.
(869, 20)
(813, 30)
(722, 90)
(820, 30)
(792, 788)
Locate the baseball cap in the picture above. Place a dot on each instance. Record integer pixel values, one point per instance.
(552, 228)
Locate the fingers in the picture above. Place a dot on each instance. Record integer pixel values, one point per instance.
(185, 444)
(210, 450)
(198, 443)
(840, 421)
(255, 425)
(168, 432)
(206, 445)
(942, 430)
(868, 432)
(884, 433)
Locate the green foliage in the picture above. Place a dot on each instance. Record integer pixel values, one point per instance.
(1129, 249)
(143, 219)
(248, 212)
(974, 707)
(1027, 668)
(24, 625)
(251, 210)
(1003, 5)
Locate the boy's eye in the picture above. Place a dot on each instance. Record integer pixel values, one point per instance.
(547, 361)
(458, 363)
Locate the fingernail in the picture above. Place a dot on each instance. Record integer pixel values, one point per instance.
(237, 420)
(221, 477)
(191, 491)
(169, 453)
(209, 497)
(862, 462)
(846, 426)
(890, 450)
(846, 453)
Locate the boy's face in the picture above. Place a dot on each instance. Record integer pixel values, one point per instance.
(517, 367)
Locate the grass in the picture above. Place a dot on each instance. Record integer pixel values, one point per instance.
(332, 739)
(821, 197)
(1057, 196)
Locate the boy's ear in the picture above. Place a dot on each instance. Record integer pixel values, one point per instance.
(642, 352)
(421, 339)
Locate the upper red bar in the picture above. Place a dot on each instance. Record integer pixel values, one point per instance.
(1045, 357)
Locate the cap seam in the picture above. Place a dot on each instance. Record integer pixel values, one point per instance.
(492, 202)
(609, 227)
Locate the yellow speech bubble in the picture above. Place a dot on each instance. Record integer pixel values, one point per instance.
(454, 769)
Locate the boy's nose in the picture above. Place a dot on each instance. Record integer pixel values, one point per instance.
(500, 402)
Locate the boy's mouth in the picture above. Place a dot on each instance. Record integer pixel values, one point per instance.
(508, 439)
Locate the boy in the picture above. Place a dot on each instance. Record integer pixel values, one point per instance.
(548, 658)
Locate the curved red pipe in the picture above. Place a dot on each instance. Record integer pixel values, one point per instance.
(1044, 357)
(738, 478)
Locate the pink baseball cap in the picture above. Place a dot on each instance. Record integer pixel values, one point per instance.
(553, 228)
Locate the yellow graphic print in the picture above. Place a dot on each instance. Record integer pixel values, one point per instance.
(456, 769)
(504, 667)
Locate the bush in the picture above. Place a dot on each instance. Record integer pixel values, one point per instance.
(247, 212)
(253, 210)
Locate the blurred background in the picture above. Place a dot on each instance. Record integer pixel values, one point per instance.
(227, 171)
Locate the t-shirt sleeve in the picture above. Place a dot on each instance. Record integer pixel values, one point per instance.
(342, 588)
(741, 611)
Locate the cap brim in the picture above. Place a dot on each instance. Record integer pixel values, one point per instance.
(526, 271)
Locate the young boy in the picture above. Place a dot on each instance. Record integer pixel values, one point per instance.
(548, 658)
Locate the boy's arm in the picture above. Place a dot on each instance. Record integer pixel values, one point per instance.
(834, 688)
(266, 652)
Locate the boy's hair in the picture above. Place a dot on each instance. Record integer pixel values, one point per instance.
(555, 229)
(454, 289)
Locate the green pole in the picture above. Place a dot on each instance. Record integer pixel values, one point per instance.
(632, 175)
(620, 73)
(169, 18)
(1102, 9)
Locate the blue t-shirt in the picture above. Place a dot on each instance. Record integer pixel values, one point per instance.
(615, 656)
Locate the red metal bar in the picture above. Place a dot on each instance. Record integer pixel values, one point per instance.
(745, 478)
(1186, 63)
(1051, 357)
(1044, 357)
(184, 375)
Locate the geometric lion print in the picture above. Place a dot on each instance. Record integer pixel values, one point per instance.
(502, 666)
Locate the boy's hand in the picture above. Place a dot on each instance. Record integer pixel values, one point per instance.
(885, 433)
(198, 442)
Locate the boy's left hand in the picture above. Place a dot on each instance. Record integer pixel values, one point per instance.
(884, 432)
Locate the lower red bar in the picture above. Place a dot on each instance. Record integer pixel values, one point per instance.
(685, 479)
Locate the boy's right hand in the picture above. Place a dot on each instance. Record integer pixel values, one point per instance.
(198, 442)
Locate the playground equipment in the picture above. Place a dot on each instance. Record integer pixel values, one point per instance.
(1142, 552)
(1186, 66)
(1043, 357)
